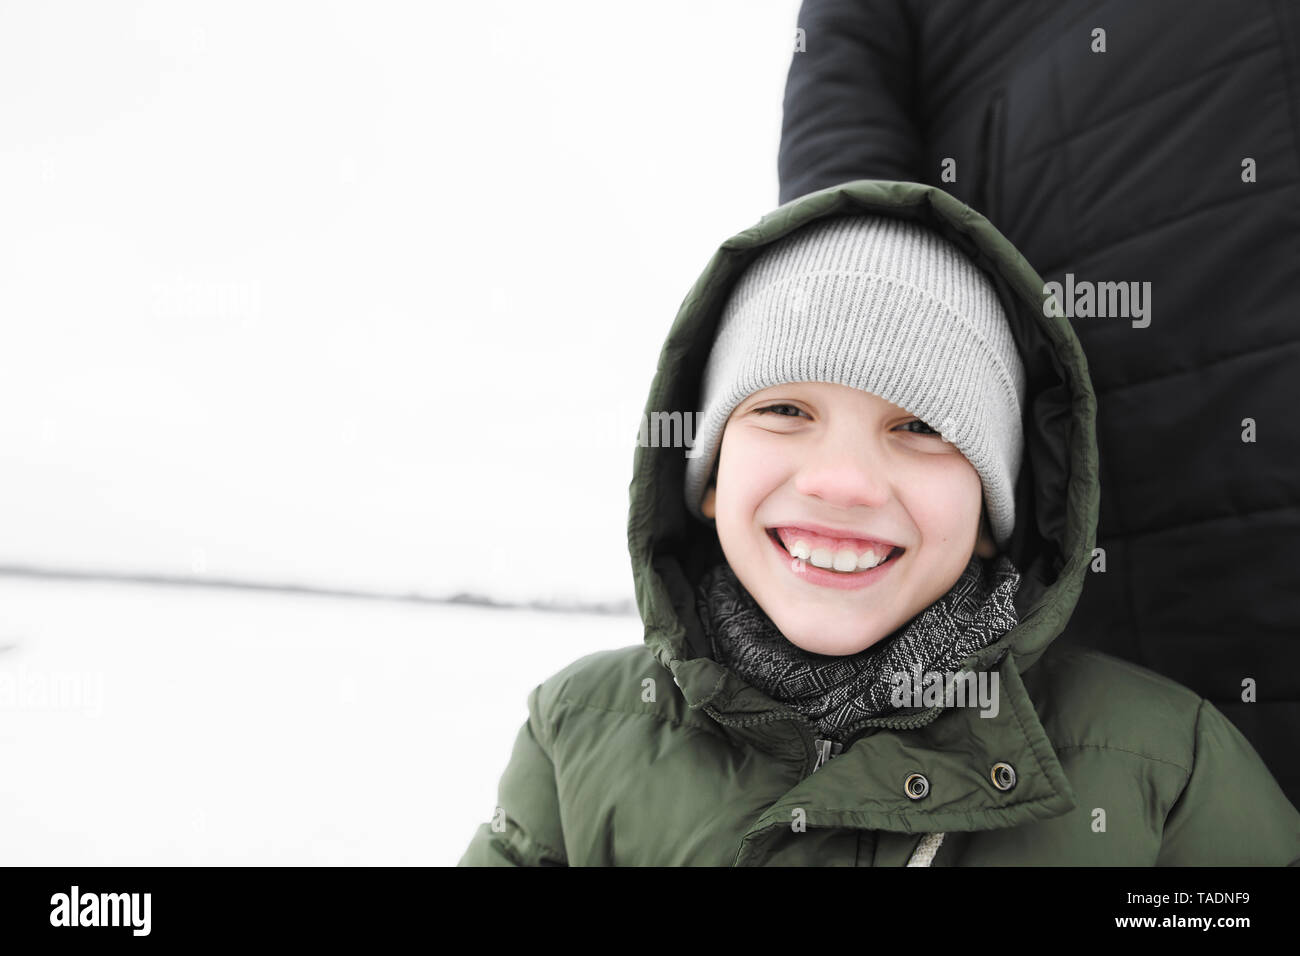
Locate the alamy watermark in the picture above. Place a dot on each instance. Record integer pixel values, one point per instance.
(215, 301)
(102, 909)
(662, 429)
(1085, 299)
(52, 690)
(947, 689)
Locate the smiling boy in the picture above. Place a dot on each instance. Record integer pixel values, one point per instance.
(841, 514)
(879, 380)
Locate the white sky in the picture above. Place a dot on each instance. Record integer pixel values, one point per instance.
(276, 296)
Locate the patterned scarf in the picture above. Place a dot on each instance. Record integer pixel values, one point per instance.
(835, 692)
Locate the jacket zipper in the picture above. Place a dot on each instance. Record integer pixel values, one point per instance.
(821, 752)
(826, 749)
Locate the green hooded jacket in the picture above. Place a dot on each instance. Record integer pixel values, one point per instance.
(658, 755)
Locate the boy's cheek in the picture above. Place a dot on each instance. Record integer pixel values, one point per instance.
(751, 468)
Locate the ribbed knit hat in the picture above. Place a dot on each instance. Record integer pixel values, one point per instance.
(883, 305)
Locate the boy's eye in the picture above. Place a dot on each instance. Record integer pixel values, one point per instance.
(926, 429)
(917, 421)
(769, 408)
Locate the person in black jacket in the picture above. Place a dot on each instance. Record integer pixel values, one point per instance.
(1126, 149)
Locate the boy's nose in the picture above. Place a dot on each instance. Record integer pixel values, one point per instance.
(844, 477)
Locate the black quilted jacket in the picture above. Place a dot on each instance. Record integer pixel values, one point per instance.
(1130, 165)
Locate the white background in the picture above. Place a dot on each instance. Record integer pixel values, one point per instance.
(350, 295)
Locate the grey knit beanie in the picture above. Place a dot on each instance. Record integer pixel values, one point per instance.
(887, 306)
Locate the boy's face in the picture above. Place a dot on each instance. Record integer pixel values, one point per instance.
(814, 453)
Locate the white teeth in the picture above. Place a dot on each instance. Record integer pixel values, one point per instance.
(821, 558)
(843, 560)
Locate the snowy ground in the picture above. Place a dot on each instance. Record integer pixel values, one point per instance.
(145, 725)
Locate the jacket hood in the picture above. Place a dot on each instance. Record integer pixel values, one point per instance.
(1056, 492)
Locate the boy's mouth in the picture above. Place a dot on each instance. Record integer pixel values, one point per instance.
(845, 556)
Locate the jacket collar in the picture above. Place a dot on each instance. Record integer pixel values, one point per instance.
(864, 787)
(956, 749)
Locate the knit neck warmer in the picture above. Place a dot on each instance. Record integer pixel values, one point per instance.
(837, 692)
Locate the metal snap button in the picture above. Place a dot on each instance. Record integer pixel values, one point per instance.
(916, 786)
(1004, 776)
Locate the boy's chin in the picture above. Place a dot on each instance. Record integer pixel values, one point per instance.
(831, 645)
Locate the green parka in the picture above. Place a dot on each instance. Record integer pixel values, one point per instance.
(658, 755)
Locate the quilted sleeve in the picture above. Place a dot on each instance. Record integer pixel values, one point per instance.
(1231, 812)
(849, 97)
(525, 829)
